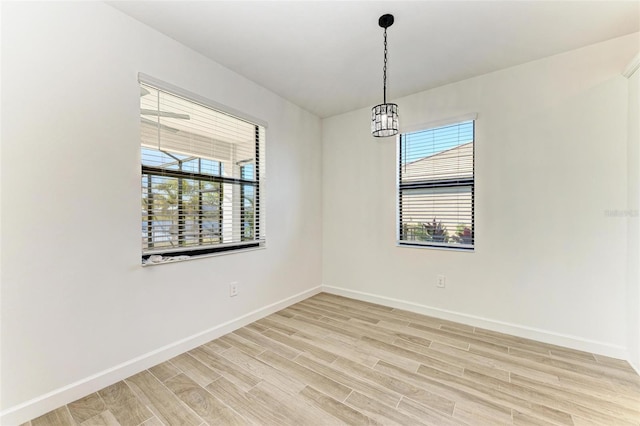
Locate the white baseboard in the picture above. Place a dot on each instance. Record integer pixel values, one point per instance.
(540, 335)
(66, 394)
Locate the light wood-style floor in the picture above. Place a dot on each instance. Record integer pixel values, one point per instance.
(332, 360)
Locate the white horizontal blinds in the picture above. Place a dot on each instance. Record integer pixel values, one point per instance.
(201, 175)
(172, 123)
(436, 186)
(440, 153)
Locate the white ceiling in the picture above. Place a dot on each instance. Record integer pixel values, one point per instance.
(326, 56)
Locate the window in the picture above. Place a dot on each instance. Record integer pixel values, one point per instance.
(436, 187)
(202, 177)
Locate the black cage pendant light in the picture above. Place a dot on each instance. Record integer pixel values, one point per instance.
(384, 117)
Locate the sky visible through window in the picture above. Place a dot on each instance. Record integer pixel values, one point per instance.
(155, 158)
(425, 143)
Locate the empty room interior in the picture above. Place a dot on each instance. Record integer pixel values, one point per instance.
(319, 213)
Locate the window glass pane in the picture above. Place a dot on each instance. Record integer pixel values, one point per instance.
(436, 186)
(201, 176)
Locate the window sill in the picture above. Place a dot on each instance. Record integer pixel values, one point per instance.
(436, 247)
(185, 258)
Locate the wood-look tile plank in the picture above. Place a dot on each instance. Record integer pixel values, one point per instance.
(525, 366)
(216, 346)
(164, 371)
(58, 417)
(391, 356)
(244, 403)
(347, 311)
(339, 348)
(414, 356)
(572, 403)
(615, 363)
(458, 328)
(87, 407)
(629, 401)
(340, 329)
(360, 304)
(359, 329)
(368, 349)
(380, 412)
(579, 421)
(583, 394)
(306, 375)
(296, 410)
(194, 369)
(300, 345)
(327, 313)
(263, 371)
(478, 415)
(397, 385)
(383, 395)
(124, 404)
(417, 335)
(479, 362)
(428, 321)
(153, 421)
(244, 345)
(414, 343)
(226, 368)
(285, 313)
(105, 418)
(575, 366)
(336, 409)
(494, 393)
(462, 337)
(256, 328)
(565, 371)
(522, 419)
(512, 342)
(267, 343)
(449, 391)
(271, 323)
(573, 354)
(203, 403)
(302, 326)
(366, 313)
(426, 414)
(296, 311)
(164, 404)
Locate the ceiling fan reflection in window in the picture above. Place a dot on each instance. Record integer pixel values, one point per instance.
(166, 114)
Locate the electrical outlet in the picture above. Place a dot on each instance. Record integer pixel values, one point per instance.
(233, 289)
(441, 281)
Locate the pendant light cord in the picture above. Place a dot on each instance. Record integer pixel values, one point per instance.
(384, 69)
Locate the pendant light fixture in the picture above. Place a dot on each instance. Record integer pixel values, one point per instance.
(384, 117)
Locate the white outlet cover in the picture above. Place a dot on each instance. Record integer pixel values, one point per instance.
(233, 289)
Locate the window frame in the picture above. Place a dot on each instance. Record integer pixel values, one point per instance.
(258, 239)
(436, 184)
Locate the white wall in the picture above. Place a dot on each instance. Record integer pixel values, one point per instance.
(551, 159)
(75, 300)
(633, 157)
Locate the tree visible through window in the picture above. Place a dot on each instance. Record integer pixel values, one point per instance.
(436, 187)
(177, 211)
